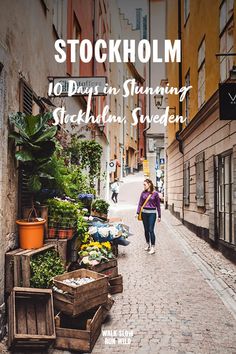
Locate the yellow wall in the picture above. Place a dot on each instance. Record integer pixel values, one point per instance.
(203, 21)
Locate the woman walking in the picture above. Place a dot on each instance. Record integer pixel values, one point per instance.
(115, 188)
(148, 207)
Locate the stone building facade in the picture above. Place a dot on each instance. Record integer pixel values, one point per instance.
(201, 153)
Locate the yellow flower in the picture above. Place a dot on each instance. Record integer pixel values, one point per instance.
(106, 244)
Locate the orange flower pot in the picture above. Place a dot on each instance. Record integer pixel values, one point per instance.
(31, 234)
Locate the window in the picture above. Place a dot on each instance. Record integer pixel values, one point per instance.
(187, 97)
(226, 215)
(76, 35)
(57, 18)
(186, 10)
(200, 180)
(226, 38)
(186, 183)
(201, 74)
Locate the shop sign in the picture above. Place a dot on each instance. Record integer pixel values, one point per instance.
(112, 166)
(146, 167)
(227, 101)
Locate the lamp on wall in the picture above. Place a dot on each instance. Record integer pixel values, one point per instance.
(158, 103)
(158, 100)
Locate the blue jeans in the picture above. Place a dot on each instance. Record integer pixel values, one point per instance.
(149, 224)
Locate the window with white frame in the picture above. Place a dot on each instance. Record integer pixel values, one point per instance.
(201, 74)
(226, 37)
(186, 9)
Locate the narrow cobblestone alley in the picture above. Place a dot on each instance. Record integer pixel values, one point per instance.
(167, 302)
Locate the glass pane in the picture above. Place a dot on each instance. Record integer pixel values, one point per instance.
(227, 169)
(233, 226)
(227, 228)
(227, 198)
(221, 219)
(223, 15)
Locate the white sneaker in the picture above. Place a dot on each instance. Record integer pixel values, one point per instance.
(152, 250)
(147, 248)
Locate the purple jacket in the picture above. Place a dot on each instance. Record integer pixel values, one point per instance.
(153, 202)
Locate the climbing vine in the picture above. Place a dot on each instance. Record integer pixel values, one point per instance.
(87, 154)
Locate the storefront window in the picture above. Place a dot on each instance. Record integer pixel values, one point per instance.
(226, 221)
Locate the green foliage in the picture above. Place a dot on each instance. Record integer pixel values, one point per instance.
(63, 212)
(100, 206)
(87, 154)
(44, 267)
(82, 227)
(69, 179)
(36, 141)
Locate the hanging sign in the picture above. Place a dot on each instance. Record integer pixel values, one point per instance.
(112, 166)
(227, 101)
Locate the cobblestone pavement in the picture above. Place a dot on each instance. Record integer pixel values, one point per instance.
(175, 301)
(167, 302)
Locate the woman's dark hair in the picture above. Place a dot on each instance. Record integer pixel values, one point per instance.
(147, 180)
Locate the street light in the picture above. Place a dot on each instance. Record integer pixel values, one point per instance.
(158, 103)
(158, 100)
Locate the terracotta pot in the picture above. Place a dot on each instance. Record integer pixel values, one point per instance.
(51, 232)
(30, 234)
(62, 233)
(70, 233)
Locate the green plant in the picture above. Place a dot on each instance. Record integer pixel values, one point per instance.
(100, 206)
(87, 154)
(63, 212)
(34, 136)
(82, 226)
(44, 267)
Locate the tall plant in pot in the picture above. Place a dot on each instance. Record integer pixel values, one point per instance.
(35, 139)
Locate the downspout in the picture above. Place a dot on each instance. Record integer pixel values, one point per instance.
(178, 138)
(180, 81)
(149, 81)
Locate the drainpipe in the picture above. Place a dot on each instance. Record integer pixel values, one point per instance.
(180, 81)
(178, 138)
(149, 80)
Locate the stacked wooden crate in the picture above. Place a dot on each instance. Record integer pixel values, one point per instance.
(31, 319)
(83, 309)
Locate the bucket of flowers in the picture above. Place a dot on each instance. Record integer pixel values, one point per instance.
(98, 257)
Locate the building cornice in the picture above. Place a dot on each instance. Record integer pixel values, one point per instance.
(209, 107)
(135, 73)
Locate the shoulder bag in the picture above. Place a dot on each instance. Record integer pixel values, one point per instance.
(141, 210)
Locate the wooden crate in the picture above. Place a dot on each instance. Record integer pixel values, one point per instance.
(31, 319)
(60, 246)
(109, 268)
(79, 299)
(81, 333)
(116, 285)
(18, 266)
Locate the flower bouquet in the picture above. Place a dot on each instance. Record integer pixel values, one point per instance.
(95, 253)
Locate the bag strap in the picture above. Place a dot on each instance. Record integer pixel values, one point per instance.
(147, 199)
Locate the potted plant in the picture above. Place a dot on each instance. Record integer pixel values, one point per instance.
(100, 208)
(65, 213)
(34, 137)
(71, 226)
